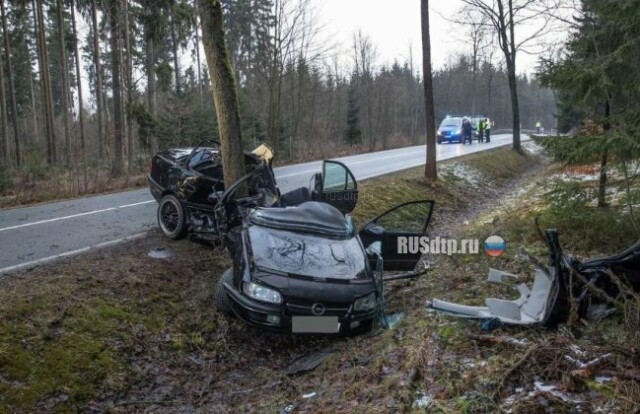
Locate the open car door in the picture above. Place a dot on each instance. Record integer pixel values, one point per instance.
(336, 186)
(405, 220)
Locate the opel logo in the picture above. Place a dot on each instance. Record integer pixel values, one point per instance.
(318, 309)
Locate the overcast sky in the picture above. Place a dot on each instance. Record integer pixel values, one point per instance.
(393, 25)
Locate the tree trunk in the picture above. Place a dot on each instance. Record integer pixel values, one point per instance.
(197, 46)
(515, 106)
(43, 58)
(151, 86)
(118, 115)
(129, 84)
(32, 95)
(64, 101)
(12, 89)
(4, 129)
(78, 80)
(174, 44)
(98, 67)
(602, 185)
(430, 168)
(223, 89)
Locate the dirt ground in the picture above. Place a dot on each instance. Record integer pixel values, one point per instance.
(118, 331)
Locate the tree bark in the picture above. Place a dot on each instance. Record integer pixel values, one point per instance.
(430, 169)
(174, 44)
(64, 101)
(118, 115)
(78, 79)
(129, 84)
(4, 129)
(223, 89)
(43, 58)
(12, 88)
(98, 68)
(151, 84)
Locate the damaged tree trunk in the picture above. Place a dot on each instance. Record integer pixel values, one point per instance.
(223, 90)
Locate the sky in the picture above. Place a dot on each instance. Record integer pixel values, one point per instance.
(394, 25)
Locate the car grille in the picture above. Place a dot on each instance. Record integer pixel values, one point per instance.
(303, 307)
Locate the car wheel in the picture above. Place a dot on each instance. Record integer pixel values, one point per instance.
(439, 141)
(221, 300)
(171, 217)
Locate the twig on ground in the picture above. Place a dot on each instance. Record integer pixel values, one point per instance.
(517, 365)
(519, 343)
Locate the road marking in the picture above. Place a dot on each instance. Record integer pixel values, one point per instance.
(44, 260)
(75, 215)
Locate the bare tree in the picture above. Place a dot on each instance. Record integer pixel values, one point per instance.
(98, 67)
(504, 16)
(12, 88)
(4, 129)
(364, 55)
(78, 78)
(223, 89)
(64, 101)
(115, 20)
(430, 168)
(43, 59)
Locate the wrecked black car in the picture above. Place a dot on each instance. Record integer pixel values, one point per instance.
(299, 262)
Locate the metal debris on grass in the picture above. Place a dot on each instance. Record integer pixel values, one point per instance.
(160, 253)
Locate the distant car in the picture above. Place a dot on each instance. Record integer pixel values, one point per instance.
(299, 263)
(450, 130)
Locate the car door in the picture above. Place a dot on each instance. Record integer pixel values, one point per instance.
(336, 186)
(393, 229)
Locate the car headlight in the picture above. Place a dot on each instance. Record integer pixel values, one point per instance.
(366, 302)
(261, 293)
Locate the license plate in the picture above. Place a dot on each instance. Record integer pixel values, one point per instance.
(315, 324)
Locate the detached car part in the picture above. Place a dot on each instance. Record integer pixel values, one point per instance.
(564, 279)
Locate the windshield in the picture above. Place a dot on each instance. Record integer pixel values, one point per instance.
(451, 122)
(307, 254)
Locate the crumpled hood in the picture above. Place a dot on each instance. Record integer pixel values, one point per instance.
(307, 255)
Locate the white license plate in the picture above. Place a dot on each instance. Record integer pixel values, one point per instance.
(315, 324)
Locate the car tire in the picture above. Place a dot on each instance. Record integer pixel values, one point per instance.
(171, 217)
(221, 300)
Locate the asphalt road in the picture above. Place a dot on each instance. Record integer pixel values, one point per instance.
(34, 235)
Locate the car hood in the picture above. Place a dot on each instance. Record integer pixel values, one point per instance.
(299, 254)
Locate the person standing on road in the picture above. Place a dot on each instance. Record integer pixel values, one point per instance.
(467, 130)
(481, 130)
(487, 129)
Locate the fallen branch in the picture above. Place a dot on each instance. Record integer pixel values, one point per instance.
(517, 365)
(628, 374)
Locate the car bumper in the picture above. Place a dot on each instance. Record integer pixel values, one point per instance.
(261, 314)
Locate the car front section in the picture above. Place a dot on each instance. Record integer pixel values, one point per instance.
(291, 304)
(300, 270)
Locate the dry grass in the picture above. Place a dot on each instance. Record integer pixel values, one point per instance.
(117, 331)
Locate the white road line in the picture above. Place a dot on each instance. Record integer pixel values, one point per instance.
(75, 215)
(44, 260)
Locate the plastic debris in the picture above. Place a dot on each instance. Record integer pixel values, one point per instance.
(423, 401)
(308, 362)
(160, 253)
(310, 395)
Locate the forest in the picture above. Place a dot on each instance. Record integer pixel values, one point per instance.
(100, 85)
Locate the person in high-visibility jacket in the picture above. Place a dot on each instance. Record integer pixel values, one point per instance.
(487, 129)
(538, 127)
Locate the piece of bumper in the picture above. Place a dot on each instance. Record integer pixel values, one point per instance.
(262, 314)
